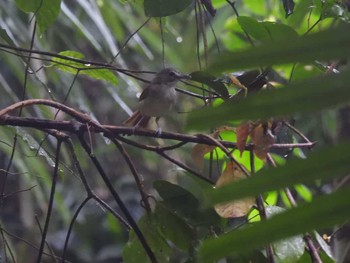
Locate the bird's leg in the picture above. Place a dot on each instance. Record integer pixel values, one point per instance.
(159, 129)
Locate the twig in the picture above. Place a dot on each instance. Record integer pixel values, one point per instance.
(115, 131)
(120, 203)
(134, 172)
(88, 188)
(51, 199)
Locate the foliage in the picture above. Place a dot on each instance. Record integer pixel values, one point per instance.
(259, 69)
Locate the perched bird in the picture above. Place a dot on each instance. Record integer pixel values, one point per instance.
(157, 98)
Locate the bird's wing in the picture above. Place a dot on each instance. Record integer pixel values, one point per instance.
(145, 93)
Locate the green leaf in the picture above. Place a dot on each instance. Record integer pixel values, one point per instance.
(46, 11)
(160, 8)
(329, 44)
(173, 227)
(74, 67)
(177, 198)
(253, 28)
(325, 211)
(324, 164)
(266, 32)
(304, 192)
(288, 250)
(208, 79)
(134, 251)
(299, 97)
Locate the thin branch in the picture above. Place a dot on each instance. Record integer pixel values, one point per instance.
(297, 131)
(74, 218)
(88, 188)
(119, 201)
(51, 199)
(114, 131)
(129, 38)
(137, 178)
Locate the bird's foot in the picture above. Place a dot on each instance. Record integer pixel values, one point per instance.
(159, 132)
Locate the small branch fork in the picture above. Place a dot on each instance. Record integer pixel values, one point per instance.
(82, 124)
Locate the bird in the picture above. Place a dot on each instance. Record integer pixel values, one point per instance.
(158, 97)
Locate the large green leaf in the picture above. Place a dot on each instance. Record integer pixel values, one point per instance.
(160, 8)
(173, 227)
(329, 44)
(46, 11)
(299, 97)
(266, 32)
(75, 67)
(324, 164)
(134, 251)
(177, 198)
(324, 211)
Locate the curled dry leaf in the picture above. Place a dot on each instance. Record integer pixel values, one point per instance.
(237, 208)
(199, 150)
(243, 132)
(262, 138)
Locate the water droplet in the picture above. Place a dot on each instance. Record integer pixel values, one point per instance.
(179, 39)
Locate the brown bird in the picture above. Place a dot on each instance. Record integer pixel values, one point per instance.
(157, 98)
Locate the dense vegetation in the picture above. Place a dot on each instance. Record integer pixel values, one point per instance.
(264, 118)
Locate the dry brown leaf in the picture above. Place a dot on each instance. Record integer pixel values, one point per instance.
(242, 134)
(237, 208)
(199, 150)
(262, 138)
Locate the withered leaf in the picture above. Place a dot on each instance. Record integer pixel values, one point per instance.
(236, 208)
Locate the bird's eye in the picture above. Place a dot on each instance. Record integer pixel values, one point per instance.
(172, 73)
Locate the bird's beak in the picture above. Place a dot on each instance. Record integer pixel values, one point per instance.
(184, 76)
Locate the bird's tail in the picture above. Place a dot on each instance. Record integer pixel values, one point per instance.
(137, 119)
